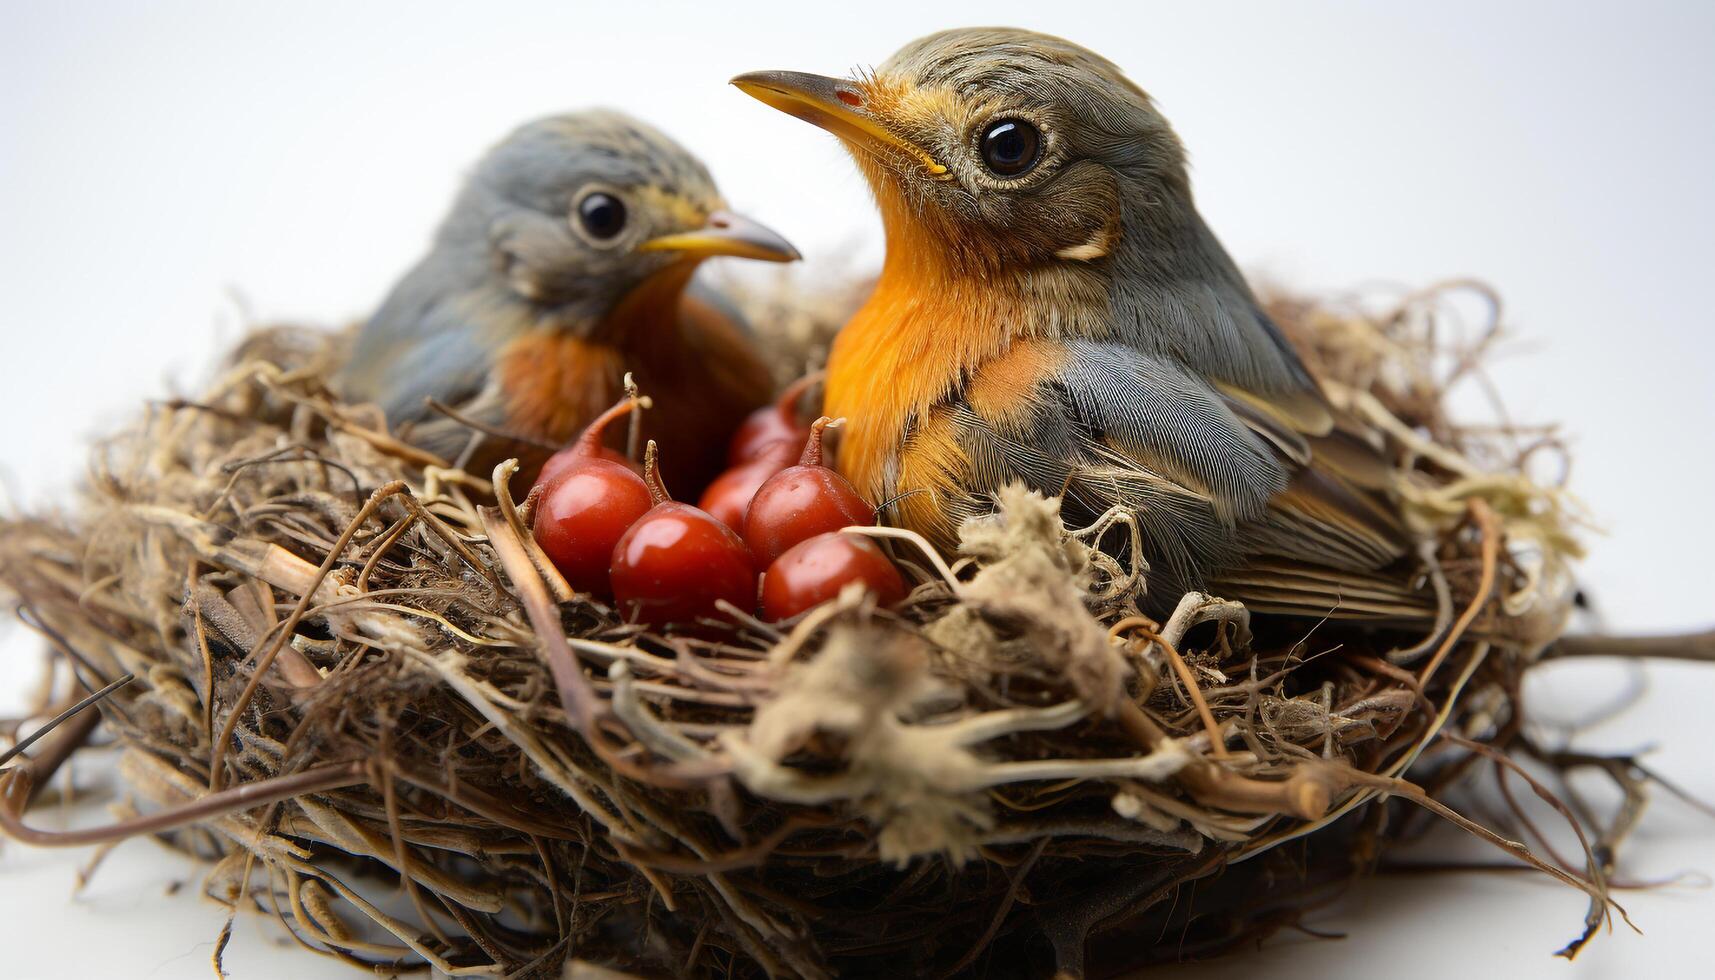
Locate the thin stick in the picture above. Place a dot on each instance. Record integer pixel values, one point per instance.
(1406, 790)
(41, 768)
(634, 424)
(1003, 910)
(1307, 793)
(435, 405)
(1485, 519)
(579, 700)
(451, 537)
(922, 544)
(1217, 741)
(520, 534)
(1598, 868)
(247, 796)
(7, 755)
(215, 772)
(1693, 647)
(1399, 765)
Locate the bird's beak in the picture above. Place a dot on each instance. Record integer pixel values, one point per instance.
(727, 234)
(835, 105)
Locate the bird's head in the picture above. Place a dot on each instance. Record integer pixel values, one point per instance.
(580, 212)
(1000, 147)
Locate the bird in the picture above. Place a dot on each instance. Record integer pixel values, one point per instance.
(565, 262)
(1053, 310)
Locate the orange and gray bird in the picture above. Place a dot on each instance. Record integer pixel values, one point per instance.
(565, 262)
(1052, 309)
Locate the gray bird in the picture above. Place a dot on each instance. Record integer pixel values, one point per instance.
(1053, 310)
(565, 262)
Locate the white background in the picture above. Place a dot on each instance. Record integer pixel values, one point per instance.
(170, 171)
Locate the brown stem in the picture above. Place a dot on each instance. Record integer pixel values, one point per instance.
(1598, 868)
(15, 787)
(486, 429)
(1306, 794)
(813, 446)
(7, 755)
(658, 494)
(39, 769)
(1486, 526)
(557, 584)
(1410, 791)
(1694, 647)
(576, 696)
(634, 430)
(589, 443)
(1217, 742)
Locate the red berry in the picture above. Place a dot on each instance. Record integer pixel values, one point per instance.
(729, 496)
(586, 504)
(773, 431)
(565, 459)
(801, 502)
(589, 443)
(582, 516)
(676, 562)
(814, 571)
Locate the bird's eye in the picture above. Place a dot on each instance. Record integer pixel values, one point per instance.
(1010, 147)
(602, 215)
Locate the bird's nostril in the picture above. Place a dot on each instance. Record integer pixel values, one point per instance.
(719, 221)
(849, 98)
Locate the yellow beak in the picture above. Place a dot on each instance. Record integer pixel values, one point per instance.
(835, 105)
(727, 234)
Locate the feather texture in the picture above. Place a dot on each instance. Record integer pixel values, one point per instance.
(1211, 492)
(526, 324)
(1076, 326)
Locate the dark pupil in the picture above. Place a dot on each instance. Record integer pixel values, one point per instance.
(603, 215)
(1009, 148)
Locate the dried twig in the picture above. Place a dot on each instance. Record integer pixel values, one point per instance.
(1005, 755)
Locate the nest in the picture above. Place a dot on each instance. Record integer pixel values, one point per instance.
(359, 691)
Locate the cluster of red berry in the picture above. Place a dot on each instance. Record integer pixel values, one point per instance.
(615, 532)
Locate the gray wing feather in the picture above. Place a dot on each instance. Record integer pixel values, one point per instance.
(1189, 303)
(427, 341)
(1152, 410)
(1117, 426)
(447, 366)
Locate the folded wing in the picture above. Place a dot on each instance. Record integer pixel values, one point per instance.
(1229, 495)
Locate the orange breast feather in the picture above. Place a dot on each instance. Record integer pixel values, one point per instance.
(554, 383)
(920, 340)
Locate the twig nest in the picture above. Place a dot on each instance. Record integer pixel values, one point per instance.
(1010, 766)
